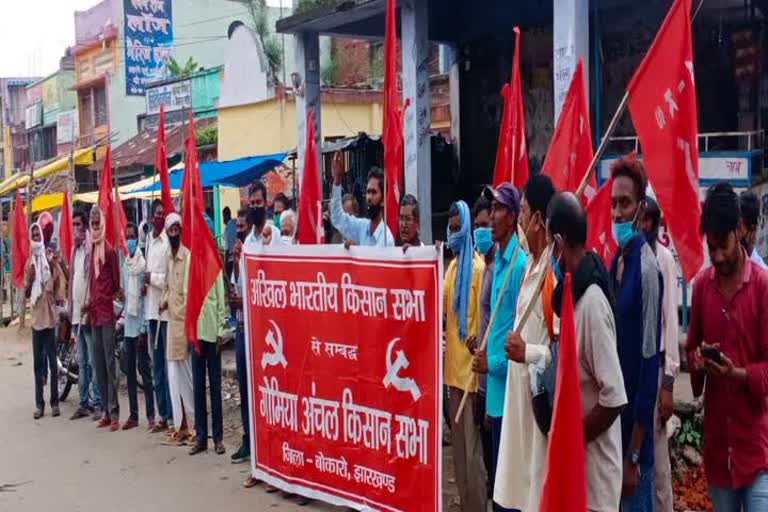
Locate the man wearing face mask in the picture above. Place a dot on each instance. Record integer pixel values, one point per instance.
(523, 445)
(279, 204)
(370, 231)
(505, 209)
(638, 290)
(158, 253)
(462, 282)
(78, 283)
(261, 233)
(288, 227)
(669, 356)
(600, 379)
(135, 330)
(750, 215)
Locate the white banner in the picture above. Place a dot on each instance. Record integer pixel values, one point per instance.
(66, 127)
(570, 40)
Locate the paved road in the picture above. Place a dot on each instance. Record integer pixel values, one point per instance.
(64, 465)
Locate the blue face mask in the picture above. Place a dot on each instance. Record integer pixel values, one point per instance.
(556, 267)
(623, 232)
(483, 240)
(455, 242)
(132, 243)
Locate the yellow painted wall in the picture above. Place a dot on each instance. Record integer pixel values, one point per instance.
(270, 126)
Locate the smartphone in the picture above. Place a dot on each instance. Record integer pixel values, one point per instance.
(711, 353)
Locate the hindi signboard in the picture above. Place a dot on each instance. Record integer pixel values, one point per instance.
(148, 42)
(175, 96)
(66, 127)
(344, 372)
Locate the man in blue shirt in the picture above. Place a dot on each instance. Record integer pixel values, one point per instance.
(370, 231)
(638, 289)
(750, 215)
(505, 209)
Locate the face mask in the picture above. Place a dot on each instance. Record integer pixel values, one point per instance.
(241, 235)
(483, 241)
(286, 240)
(158, 223)
(623, 232)
(373, 211)
(276, 220)
(175, 241)
(131, 243)
(455, 242)
(256, 215)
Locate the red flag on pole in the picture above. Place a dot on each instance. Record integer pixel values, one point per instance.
(114, 232)
(310, 224)
(565, 483)
(65, 227)
(570, 151)
(204, 260)
(161, 163)
(392, 129)
(662, 102)
(519, 150)
(503, 151)
(19, 242)
(512, 153)
(599, 236)
(191, 178)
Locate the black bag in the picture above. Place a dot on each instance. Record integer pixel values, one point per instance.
(543, 401)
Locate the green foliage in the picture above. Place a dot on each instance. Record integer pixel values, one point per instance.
(328, 72)
(273, 50)
(178, 70)
(306, 6)
(376, 68)
(207, 136)
(257, 9)
(691, 432)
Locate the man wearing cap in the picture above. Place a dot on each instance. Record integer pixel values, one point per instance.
(505, 208)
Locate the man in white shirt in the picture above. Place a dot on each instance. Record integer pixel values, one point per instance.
(78, 266)
(670, 357)
(371, 231)
(158, 252)
(601, 381)
(262, 233)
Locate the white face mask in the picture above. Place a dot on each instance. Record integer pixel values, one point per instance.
(286, 240)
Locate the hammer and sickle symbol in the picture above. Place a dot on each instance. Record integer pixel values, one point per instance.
(276, 357)
(394, 367)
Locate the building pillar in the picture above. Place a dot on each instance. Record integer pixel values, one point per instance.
(307, 77)
(571, 41)
(454, 91)
(416, 132)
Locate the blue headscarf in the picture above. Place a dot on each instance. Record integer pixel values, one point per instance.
(460, 244)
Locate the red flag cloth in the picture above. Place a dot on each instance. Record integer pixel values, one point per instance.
(503, 153)
(519, 170)
(161, 163)
(114, 232)
(392, 129)
(565, 483)
(570, 151)
(65, 227)
(19, 242)
(662, 102)
(204, 259)
(310, 224)
(191, 178)
(599, 236)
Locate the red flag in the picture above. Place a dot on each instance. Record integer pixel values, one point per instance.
(503, 153)
(565, 483)
(114, 232)
(65, 227)
(392, 129)
(599, 236)
(191, 178)
(204, 259)
(512, 153)
(662, 102)
(310, 227)
(161, 163)
(19, 242)
(570, 151)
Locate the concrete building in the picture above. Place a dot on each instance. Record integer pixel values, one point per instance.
(13, 105)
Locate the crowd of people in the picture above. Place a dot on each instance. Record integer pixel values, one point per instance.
(508, 251)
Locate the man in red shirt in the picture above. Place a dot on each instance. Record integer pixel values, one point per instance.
(728, 350)
(103, 284)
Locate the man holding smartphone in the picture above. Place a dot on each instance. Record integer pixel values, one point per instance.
(728, 350)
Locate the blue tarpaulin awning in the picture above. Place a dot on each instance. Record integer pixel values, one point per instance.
(233, 173)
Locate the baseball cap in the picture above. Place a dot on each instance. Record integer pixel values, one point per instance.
(506, 195)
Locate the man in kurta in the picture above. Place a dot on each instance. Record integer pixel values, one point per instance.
(523, 446)
(210, 332)
(461, 293)
(178, 348)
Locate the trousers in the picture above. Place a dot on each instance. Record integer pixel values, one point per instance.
(44, 356)
(467, 446)
(207, 361)
(106, 368)
(137, 352)
(159, 368)
(86, 382)
(182, 394)
(753, 498)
